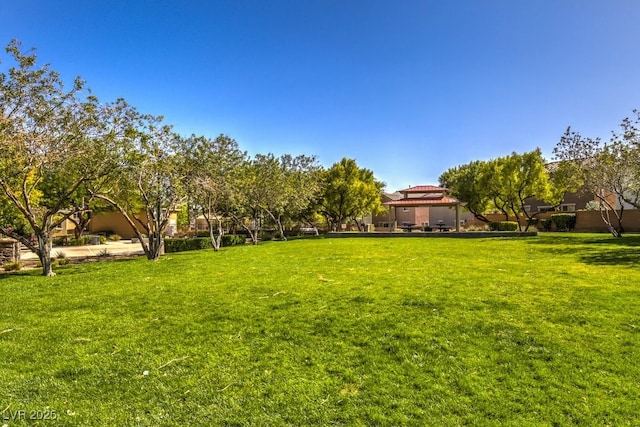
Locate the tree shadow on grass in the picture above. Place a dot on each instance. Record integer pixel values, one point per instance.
(25, 273)
(619, 256)
(558, 239)
(87, 263)
(600, 250)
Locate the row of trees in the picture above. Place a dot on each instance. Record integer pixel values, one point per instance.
(609, 172)
(64, 154)
(507, 184)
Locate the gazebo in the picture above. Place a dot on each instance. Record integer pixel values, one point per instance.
(426, 196)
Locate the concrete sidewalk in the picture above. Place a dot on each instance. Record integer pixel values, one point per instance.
(122, 247)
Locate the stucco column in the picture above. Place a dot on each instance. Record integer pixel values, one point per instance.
(457, 217)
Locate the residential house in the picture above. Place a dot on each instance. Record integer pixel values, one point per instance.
(572, 202)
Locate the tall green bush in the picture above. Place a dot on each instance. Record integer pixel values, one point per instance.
(546, 224)
(564, 222)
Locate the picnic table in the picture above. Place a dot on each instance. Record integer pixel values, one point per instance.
(441, 226)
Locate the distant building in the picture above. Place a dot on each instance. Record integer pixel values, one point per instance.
(419, 207)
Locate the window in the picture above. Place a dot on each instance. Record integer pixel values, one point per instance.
(545, 208)
(527, 208)
(568, 207)
(383, 224)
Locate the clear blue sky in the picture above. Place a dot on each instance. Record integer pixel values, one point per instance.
(407, 88)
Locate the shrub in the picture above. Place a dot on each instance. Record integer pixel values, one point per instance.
(564, 222)
(78, 242)
(189, 244)
(197, 243)
(546, 224)
(115, 237)
(12, 266)
(503, 226)
(59, 241)
(233, 239)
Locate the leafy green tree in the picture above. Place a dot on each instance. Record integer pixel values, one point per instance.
(53, 143)
(493, 180)
(289, 186)
(251, 192)
(521, 177)
(303, 188)
(270, 187)
(506, 184)
(215, 165)
(149, 183)
(465, 183)
(349, 192)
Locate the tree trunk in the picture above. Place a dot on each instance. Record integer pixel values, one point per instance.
(44, 254)
(155, 246)
(605, 209)
(256, 228)
(281, 230)
(215, 240)
(479, 216)
(615, 231)
(278, 221)
(80, 225)
(253, 234)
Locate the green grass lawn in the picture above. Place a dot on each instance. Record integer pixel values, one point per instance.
(529, 331)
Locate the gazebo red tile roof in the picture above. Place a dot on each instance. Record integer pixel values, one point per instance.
(424, 201)
(424, 189)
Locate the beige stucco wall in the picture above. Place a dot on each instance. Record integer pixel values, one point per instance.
(591, 221)
(115, 222)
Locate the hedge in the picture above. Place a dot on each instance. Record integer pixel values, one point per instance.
(564, 222)
(546, 224)
(503, 226)
(196, 243)
(233, 239)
